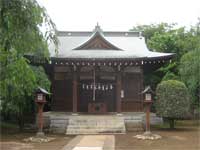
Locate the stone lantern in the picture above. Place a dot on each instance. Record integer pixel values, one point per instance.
(147, 102)
(40, 100)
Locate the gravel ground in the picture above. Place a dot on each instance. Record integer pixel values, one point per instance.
(185, 137)
(15, 142)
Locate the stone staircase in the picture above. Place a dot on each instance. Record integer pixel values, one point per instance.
(58, 124)
(66, 123)
(95, 124)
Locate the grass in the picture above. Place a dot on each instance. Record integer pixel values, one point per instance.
(13, 128)
(178, 124)
(8, 127)
(188, 123)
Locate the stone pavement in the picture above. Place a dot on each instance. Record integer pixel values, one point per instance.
(91, 142)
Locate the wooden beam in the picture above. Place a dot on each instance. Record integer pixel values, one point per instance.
(118, 92)
(75, 91)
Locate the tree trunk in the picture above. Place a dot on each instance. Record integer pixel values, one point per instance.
(171, 123)
(21, 123)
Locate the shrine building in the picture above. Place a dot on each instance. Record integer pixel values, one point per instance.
(100, 72)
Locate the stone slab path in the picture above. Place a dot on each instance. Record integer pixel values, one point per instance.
(91, 142)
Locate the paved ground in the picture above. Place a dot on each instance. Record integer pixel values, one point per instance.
(91, 142)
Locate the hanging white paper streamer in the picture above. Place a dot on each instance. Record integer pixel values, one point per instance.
(111, 87)
(83, 86)
(99, 87)
(106, 87)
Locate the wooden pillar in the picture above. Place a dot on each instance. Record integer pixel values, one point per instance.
(75, 90)
(148, 106)
(40, 117)
(142, 88)
(118, 92)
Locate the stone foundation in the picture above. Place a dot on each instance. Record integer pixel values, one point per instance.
(66, 123)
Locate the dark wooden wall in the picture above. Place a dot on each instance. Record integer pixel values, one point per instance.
(62, 92)
(62, 96)
(132, 85)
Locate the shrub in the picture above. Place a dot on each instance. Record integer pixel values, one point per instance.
(172, 100)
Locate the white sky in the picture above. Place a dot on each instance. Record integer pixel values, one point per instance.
(119, 15)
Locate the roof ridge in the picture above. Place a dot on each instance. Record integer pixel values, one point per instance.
(105, 33)
(66, 31)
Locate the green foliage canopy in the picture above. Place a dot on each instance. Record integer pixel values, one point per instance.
(169, 38)
(20, 35)
(190, 73)
(150, 30)
(20, 23)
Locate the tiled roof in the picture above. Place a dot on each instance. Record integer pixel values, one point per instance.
(131, 44)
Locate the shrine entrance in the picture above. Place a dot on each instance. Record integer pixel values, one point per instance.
(97, 91)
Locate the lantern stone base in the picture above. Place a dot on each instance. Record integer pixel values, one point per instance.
(37, 139)
(119, 114)
(148, 136)
(74, 114)
(40, 134)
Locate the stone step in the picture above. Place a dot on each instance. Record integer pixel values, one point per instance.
(93, 128)
(95, 125)
(71, 132)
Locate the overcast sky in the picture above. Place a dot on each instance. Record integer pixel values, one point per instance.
(119, 15)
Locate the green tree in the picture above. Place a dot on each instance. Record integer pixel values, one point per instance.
(190, 74)
(154, 35)
(168, 38)
(172, 100)
(150, 30)
(20, 35)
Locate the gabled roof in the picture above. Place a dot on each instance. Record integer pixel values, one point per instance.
(41, 90)
(97, 41)
(147, 90)
(103, 45)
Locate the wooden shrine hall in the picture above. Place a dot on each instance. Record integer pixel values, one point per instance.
(100, 72)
